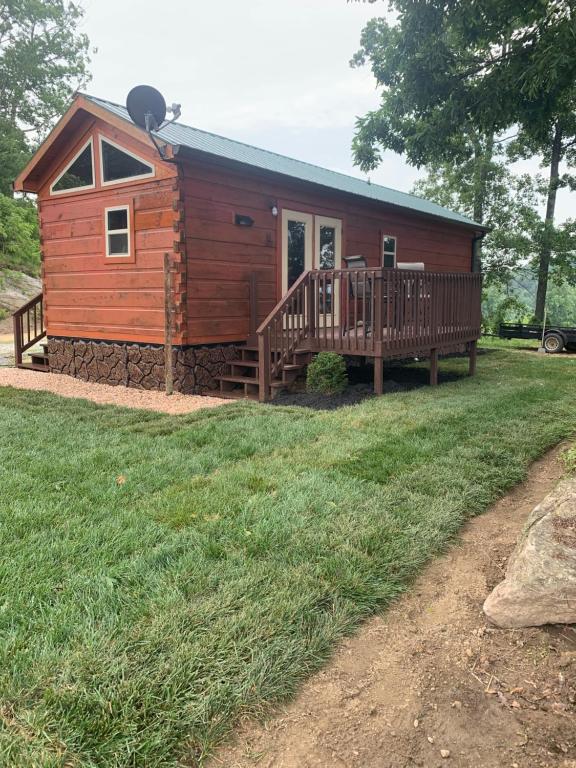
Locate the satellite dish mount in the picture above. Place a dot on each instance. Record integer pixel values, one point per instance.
(147, 108)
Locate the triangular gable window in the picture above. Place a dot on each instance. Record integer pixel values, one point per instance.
(121, 165)
(78, 174)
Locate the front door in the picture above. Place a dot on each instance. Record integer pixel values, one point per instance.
(297, 240)
(309, 242)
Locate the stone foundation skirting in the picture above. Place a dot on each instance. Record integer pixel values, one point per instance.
(140, 365)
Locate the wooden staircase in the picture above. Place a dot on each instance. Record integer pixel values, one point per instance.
(242, 379)
(38, 360)
(29, 329)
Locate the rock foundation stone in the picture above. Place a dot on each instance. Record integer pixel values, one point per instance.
(540, 583)
(139, 365)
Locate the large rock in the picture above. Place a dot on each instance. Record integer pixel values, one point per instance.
(540, 583)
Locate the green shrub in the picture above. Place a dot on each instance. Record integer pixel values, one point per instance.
(327, 374)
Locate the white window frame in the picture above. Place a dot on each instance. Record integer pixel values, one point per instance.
(126, 231)
(72, 190)
(120, 148)
(388, 253)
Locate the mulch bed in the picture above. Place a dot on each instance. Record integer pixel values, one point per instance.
(397, 378)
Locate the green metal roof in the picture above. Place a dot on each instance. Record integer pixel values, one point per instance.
(203, 141)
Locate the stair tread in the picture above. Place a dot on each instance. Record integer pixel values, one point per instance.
(246, 363)
(294, 367)
(236, 394)
(34, 367)
(238, 379)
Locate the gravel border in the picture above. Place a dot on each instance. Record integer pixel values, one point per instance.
(126, 397)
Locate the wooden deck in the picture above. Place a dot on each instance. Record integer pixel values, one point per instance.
(375, 313)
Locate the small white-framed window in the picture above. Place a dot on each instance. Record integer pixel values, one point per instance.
(388, 251)
(78, 173)
(118, 164)
(117, 228)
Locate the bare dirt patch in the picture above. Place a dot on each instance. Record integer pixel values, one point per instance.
(66, 386)
(430, 683)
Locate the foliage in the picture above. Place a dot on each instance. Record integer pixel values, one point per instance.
(453, 77)
(43, 60)
(569, 459)
(451, 73)
(496, 310)
(19, 244)
(327, 374)
(512, 208)
(513, 301)
(244, 543)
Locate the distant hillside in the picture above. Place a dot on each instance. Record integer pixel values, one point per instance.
(16, 289)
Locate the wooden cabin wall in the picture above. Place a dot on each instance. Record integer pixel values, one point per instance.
(221, 255)
(86, 294)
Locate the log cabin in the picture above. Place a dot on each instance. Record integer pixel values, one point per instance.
(185, 259)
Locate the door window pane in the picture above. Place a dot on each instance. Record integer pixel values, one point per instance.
(327, 247)
(296, 250)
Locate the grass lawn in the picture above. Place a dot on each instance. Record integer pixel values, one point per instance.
(161, 576)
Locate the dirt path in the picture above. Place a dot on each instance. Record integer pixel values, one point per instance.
(127, 397)
(430, 675)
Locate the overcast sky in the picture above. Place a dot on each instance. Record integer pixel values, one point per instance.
(274, 73)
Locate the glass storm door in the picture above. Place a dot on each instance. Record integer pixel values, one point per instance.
(328, 255)
(296, 246)
(312, 242)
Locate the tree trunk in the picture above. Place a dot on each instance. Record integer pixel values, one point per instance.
(546, 249)
(483, 158)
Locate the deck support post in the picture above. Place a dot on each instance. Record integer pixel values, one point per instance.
(433, 367)
(472, 352)
(263, 367)
(378, 375)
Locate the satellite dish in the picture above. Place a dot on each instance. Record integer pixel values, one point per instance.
(146, 107)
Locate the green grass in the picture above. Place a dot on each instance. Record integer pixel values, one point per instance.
(495, 342)
(162, 576)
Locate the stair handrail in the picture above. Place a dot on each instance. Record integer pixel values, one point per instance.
(267, 367)
(24, 331)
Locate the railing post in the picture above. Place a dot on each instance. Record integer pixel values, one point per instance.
(263, 366)
(311, 306)
(378, 330)
(17, 339)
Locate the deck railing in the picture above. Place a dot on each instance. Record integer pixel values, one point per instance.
(28, 326)
(379, 313)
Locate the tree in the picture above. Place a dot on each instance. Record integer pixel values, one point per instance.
(19, 246)
(43, 60)
(455, 76)
(510, 207)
